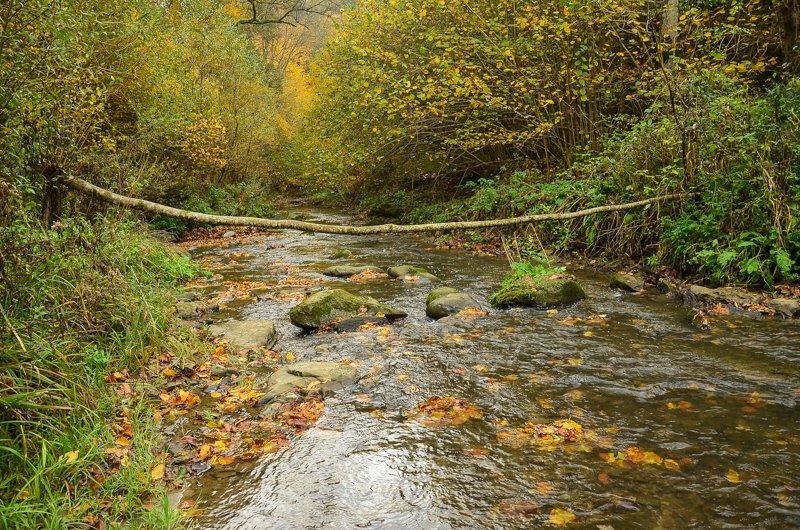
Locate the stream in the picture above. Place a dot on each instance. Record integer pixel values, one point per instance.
(720, 405)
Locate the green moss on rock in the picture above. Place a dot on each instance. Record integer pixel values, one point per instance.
(540, 292)
(440, 292)
(326, 306)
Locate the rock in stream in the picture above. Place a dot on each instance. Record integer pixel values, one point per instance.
(326, 306)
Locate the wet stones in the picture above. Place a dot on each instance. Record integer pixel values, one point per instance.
(626, 282)
(407, 271)
(328, 377)
(345, 271)
(446, 301)
(785, 306)
(353, 324)
(540, 292)
(246, 334)
(724, 295)
(326, 306)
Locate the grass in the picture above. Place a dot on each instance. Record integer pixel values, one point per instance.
(79, 302)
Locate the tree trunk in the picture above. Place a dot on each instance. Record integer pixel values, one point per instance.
(166, 211)
(669, 29)
(788, 12)
(51, 205)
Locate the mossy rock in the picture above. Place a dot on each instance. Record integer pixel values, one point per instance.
(326, 306)
(440, 292)
(450, 304)
(407, 270)
(626, 282)
(341, 254)
(540, 292)
(345, 271)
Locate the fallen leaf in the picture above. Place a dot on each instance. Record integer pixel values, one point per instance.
(561, 517)
(123, 441)
(733, 476)
(544, 487)
(603, 477)
(157, 472)
(188, 503)
(479, 368)
(363, 398)
(225, 460)
(671, 464)
(71, 456)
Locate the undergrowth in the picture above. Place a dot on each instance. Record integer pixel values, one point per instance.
(84, 299)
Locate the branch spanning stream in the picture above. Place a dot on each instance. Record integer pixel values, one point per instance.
(167, 211)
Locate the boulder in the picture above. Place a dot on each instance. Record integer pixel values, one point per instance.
(246, 334)
(703, 294)
(449, 304)
(187, 309)
(341, 254)
(296, 377)
(188, 296)
(328, 305)
(229, 233)
(626, 282)
(402, 271)
(182, 252)
(352, 324)
(345, 271)
(724, 295)
(440, 292)
(540, 292)
(785, 306)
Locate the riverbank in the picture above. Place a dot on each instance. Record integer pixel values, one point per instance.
(86, 309)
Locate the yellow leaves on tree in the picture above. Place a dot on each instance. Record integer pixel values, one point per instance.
(203, 143)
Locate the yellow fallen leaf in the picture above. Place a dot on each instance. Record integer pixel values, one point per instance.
(220, 351)
(123, 441)
(290, 356)
(561, 517)
(224, 460)
(312, 384)
(479, 368)
(402, 377)
(574, 362)
(71, 456)
(221, 444)
(588, 334)
(204, 450)
(652, 458)
(733, 476)
(168, 372)
(671, 464)
(157, 472)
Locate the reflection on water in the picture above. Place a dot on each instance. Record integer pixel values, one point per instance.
(721, 405)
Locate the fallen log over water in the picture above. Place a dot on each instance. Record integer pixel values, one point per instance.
(84, 187)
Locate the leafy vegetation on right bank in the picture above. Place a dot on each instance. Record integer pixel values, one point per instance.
(464, 110)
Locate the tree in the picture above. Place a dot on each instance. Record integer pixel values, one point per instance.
(291, 12)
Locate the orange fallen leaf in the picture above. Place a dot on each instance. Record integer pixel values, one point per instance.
(188, 503)
(603, 477)
(671, 464)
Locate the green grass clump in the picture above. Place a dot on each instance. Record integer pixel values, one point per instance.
(78, 302)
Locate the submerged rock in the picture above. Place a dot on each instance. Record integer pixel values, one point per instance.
(541, 292)
(326, 306)
(626, 282)
(401, 271)
(341, 254)
(353, 324)
(345, 271)
(330, 376)
(446, 301)
(246, 334)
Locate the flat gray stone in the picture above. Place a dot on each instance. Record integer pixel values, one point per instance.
(296, 377)
(229, 233)
(785, 306)
(450, 304)
(626, 282)
(345, 271)
(246, 334)
(724, 295)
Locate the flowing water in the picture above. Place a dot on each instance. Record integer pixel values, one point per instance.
(721, 405)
